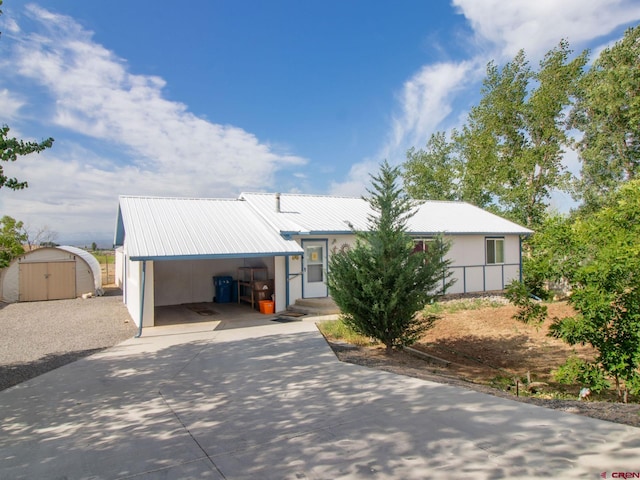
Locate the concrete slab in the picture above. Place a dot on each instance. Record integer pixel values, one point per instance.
(271, 401)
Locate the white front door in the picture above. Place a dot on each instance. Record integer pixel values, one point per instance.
(314, 269)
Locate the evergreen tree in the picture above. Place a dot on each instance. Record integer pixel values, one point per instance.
(381, 283)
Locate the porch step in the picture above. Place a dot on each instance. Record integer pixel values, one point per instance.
(315, 306)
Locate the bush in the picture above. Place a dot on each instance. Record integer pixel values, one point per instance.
(578, 371)
(529, 311)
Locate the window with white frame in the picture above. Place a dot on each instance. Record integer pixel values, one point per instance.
(422, 244)
(495, 250)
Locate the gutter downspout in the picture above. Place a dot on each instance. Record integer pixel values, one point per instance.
(144, 276)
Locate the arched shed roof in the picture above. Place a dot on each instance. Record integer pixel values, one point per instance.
(91, 261)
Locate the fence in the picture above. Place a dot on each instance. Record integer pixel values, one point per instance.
(106, 258)
(476, 278)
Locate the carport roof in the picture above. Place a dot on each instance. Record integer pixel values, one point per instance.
(162, 228)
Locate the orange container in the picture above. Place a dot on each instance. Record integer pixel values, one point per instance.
(267, 307)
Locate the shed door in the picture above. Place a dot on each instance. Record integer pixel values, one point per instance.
(47, 281)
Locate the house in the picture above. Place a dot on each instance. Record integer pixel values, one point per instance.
(170, 249)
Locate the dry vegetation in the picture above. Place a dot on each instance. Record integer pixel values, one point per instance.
(486, 349)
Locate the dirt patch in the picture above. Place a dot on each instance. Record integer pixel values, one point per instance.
(487, 343)
(485, 350)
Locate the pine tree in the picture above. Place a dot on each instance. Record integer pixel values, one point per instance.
(381, 283)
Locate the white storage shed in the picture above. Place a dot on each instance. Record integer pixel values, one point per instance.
(51, 273)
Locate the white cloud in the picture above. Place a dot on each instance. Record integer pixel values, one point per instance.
(165, 149)
(357, 181)
(424, 103)
(538, 26)
(9, 105)
(501, 28)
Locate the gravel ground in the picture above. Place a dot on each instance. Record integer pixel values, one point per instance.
(40, 336)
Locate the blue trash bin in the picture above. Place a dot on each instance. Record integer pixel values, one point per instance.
(222, 287)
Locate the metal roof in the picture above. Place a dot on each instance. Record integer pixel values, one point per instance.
(460, 218)
(311, 213)
(92, 261)
(158, 228)
(315, 214)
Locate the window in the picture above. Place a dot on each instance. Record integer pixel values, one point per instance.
(495, 250)
(421, 244)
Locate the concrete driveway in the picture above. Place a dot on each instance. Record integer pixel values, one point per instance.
(271, 401)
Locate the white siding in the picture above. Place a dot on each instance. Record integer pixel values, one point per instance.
(469, 267)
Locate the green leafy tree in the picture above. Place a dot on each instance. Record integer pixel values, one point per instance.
(608, 114)
(516, 134)
(554, 254)
(432, 174)
(381, 283)
(11, 148)
(508, 155)
(606, 288)
(12, 237)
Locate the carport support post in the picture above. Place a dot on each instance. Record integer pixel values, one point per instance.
(144, 276)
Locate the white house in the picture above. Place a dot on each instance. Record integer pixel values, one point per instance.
(170, 248)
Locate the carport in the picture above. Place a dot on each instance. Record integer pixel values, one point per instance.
(173, 248)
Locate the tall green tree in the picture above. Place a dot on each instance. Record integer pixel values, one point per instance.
(606, 287)
(12, 237)
(515, 136)
(432, 173)
(608, 114)
(554, 254)
(11, 148)
(508, 155)
(381, 283)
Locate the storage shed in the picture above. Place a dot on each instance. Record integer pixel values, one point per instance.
(51, 273)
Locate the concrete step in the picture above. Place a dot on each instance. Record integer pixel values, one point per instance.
(315, 306)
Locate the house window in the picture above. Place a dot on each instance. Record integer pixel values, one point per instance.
(495, 250)
(421, 244)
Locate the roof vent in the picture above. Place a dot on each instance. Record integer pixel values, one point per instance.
(278, 202)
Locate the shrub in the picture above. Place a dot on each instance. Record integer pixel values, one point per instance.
(529, 311)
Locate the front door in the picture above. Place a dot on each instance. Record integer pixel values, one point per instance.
(314, 269)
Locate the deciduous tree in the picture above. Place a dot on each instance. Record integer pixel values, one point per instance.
(606, 288)
(508, 156)
(433, 173)
(608, 114)
(12, 237)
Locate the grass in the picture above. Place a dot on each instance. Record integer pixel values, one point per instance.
(104, 257)
(338, 330)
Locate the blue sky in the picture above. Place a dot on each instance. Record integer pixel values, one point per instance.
(210, 98)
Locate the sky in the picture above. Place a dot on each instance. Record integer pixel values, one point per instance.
(211, 98)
